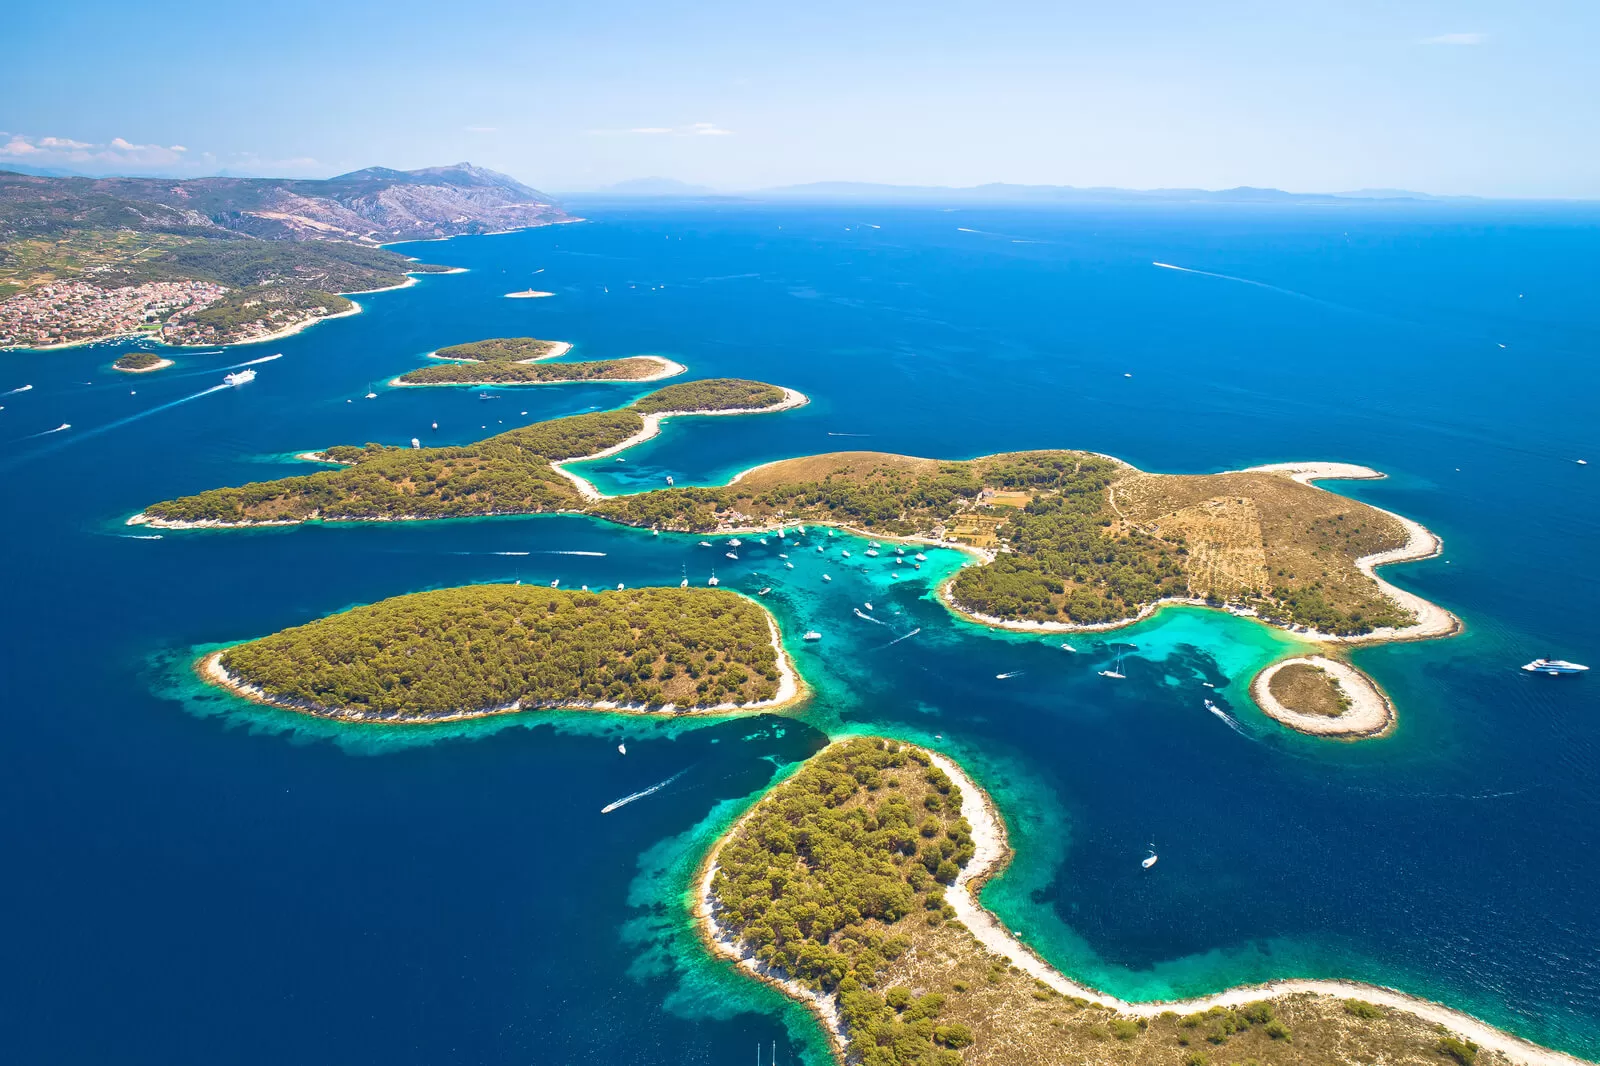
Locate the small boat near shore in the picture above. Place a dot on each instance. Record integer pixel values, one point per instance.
(1554, 667)
(812, 636)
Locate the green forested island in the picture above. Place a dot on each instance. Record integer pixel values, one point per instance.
(1071, 537)
(139, 361)
(519, 361)
(836, 882)
(509, 473)
(465, 652)
(1076, 537)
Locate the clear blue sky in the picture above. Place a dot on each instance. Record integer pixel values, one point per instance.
(1497, 99)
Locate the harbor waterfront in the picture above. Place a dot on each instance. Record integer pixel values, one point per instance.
(185, 871)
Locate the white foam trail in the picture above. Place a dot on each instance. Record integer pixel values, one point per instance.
(253, 362)
(1226, 717)
(1248, 281)
(1010, 673)
(897, 640)
(862, 614)
(96, 431)
(509, 553)
(625, 800)
(20, 388)
(600, 555)
(140, 536)
(963, 229)
(47, 432)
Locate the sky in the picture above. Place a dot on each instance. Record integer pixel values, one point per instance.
(1464, 97)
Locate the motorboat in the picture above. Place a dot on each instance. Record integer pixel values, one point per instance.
(1554, 667)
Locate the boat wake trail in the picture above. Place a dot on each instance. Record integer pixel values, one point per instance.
(862, 614)
(1232, 723)
(19, 388)
(250, 362)
(832, 434)
(97, 430)
(1259, 285)
(1008, 674)
(508, 553)
(897, 640)
(599, 555)
(625, 800)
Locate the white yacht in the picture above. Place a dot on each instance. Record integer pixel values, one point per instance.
(239, 377)
(919, 557)
(827, 577)
(730, 555)
(1150, 859)
(1554, 667)
(713, 580)
(705, 544)
(813, 635)
(872, 553)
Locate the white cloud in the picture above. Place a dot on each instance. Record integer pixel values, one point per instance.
(651, 129)
(710, 129)
(118, 155)
(1456, 38)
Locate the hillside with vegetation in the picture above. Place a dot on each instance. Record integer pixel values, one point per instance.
(509, 473)
(464, 652)
(86, 258)
(521, 361)
(838, 878)
(1075, 537)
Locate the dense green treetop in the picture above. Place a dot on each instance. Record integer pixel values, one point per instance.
(832, 873)
(512, 373)
(508, 473)
(712, 394)
(467, 651)
(499, 350)
(136, 360)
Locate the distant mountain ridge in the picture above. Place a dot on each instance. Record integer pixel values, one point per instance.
(994, 192)
(1002, 192)
(372, 206)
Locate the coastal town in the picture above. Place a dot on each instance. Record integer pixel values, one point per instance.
(72, 312)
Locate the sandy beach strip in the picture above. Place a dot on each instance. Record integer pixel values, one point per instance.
(993, 852)
(1370, 713)
(792, 398)
(1421, 543)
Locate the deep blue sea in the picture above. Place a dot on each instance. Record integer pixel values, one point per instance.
(190, 880)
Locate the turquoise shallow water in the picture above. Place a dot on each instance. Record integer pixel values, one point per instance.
(214, 881)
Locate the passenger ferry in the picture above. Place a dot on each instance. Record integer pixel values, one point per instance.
(241, 377)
